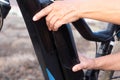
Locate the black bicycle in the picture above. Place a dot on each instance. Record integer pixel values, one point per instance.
(56, 51)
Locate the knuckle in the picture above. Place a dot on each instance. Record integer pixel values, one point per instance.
(51, 22)
(57, 25)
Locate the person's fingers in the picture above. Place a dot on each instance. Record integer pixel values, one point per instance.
(66, 18)
(77, 67)
(53, 17)
(52, 22)
(82, 65)
(42, 13)
(50, 18)
(57, 25)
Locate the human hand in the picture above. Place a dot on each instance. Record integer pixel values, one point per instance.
(59, 13)
(85, 63)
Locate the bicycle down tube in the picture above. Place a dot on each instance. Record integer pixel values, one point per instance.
(56, 51)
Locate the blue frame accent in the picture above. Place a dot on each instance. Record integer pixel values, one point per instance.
(50, 76)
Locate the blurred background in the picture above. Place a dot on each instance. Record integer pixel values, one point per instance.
(17, 58)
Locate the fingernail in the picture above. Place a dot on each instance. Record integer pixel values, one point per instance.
(74, 69)
(35, 18)
(49, 29)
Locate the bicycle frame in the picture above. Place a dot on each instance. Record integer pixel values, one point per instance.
(56, 51)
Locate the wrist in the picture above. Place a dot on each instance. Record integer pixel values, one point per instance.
(91, 64)
(98, 63)
(89, 8)
(84, 8)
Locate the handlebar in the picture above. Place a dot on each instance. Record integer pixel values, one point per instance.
(87, 33)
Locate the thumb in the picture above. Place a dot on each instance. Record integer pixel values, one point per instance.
(77, 67)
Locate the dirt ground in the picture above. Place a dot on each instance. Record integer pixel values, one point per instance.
(17, 57)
